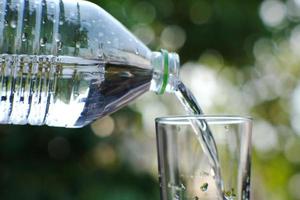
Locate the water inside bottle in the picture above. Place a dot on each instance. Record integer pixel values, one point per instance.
(65, 91)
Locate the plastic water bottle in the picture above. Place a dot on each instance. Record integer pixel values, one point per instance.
(68, 62)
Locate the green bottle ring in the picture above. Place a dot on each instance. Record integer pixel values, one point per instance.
(166, 71)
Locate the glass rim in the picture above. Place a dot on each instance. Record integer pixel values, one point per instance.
(216, 119)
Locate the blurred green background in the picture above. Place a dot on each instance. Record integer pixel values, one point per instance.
(238, 57)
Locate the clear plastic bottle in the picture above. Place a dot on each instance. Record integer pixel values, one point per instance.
(68, 62)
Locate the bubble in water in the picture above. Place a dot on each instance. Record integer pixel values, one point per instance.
(43, 41)
(176, 197)
(226, 128)
(13, 23)
(230, 195)
(177, 187)
(59, 45)
(182, 187)
(77, 45)
(24, 37)
(61, 22)
(137, 51)
(204, 187)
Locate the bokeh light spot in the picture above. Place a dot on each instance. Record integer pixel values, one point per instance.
(272, 12)
(144, 12)
(292, 149)
(103, 127)
(262, 48)
(293, 186)
(202, 81)
(295, 109)
(261, 131)
(144, 33)
(153, 110)
(104, 155)
(173, 37)
(293, 8)
(295, 40)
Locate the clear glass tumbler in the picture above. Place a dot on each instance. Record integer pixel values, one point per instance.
(185, 170)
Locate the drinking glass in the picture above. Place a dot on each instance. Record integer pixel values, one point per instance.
(185, 168)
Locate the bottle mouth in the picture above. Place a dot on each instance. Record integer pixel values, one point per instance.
(165, 71)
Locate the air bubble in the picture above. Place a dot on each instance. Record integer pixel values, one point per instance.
(59, 45)
(176, 187)
(24, 37)
(230, 195)
(182, 187)
(77, 45)
(226, 128)
(61, 22)
(137, 52)
(43, 41)
(57, 38)
(204, 187)
(13, 23)
(176, 197)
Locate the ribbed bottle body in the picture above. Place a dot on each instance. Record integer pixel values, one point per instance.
(66, 63)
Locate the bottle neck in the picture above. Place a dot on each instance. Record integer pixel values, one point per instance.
(165, 71)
